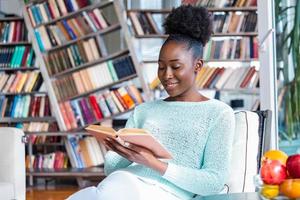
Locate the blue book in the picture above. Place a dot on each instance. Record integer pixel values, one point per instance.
(76, 149)
(39, 40)
(68, 28)
(12, 111)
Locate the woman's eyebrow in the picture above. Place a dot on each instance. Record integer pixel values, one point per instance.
(172, 60)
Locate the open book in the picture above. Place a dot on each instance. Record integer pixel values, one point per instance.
(140, 137)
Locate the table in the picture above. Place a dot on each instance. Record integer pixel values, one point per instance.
(233, 196)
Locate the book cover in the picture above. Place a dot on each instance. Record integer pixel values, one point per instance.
(140, 137)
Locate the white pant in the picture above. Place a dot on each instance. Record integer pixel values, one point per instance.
(122, 185)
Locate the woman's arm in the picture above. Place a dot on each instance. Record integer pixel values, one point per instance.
(214, 172)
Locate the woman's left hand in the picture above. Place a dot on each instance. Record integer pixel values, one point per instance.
(137, 154)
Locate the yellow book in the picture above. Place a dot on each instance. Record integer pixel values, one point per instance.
(21, 83)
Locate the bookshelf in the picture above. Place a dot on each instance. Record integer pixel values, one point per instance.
(235, 28)
(89, 75)
(64, 67)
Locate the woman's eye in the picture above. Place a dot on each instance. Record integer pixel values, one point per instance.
(176, 67)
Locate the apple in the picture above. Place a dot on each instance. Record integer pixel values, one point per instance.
(273, 172)
(293, 165)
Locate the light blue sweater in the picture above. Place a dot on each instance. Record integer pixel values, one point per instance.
(199, 136)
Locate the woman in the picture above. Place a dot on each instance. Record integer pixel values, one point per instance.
(197, 131)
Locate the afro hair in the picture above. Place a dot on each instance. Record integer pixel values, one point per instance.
(195, 22)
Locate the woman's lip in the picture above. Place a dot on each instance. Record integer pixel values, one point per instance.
(170, 85)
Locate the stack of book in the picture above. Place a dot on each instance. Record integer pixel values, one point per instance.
(16, 57)
(12, 31)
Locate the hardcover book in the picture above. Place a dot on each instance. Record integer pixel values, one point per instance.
(140, 137)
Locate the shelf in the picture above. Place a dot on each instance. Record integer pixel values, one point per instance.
(216, 60)
(27, 119)
(22, 93)
(58, 133)
(70, 172)
(96, 122)
(100, 88)
(254, 91)
(47, 144)
(14, 43)
(85, 65)
(223, 9)
(21, 68)
(103, 31)
(69, 15)
(241, 34)
(11, 19)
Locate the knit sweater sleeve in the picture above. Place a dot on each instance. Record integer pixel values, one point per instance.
(212, 176)
(114, 161)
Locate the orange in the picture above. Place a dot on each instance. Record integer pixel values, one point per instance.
(276, 155)
(270, 191)
(291, 188)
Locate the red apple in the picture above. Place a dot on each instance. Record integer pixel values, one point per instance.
(273, 172)
(293, 165)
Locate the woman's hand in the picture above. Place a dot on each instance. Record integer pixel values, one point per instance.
(137, 154)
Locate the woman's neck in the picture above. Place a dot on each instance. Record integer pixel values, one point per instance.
(194, 96)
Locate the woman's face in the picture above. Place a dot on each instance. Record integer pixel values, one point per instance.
(177, 70)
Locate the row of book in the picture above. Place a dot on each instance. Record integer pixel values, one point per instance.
(43, 139)
(88, 110)
(12, 31)
(239, 48)
(84, 152)
(16, 56)
(144, 23)
(46, 11)
(38, 126)
(55, 160)
(70, 29)
(89, 79)
(20, 82)
(24, 106)
(227, 78)
(74, 55)
(235, 22)
(221, 3)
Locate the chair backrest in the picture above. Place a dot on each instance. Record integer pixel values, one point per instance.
(12, 160)
(251, 140)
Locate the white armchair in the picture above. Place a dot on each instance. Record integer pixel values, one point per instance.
(251, 140)
(12, 164)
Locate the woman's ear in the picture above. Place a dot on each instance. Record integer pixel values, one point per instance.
(199, 64)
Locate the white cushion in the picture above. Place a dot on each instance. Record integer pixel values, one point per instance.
(244, 152)
(6, 191)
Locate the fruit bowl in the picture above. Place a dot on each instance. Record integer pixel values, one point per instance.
(288, 189)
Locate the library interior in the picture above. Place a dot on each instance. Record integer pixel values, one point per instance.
(69, 128)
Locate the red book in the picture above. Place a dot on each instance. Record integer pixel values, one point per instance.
(47, 107)
(95, 20)
(248, 77)
(70, 115)
(37, 107)
(120, 99)
(64, 115)
(14, 26)
(24, 58)
(96, 110)
(32, 106)
(82, 3)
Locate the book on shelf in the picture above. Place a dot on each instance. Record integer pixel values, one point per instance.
(84, 152)
(16, 56)
(71, 29)
(54, 160)
(23, 106)
(125, 136)
(46, 11)
(12, 31)
(98, 106)
(221, 3)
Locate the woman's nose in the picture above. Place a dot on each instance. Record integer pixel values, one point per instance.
(168, 73)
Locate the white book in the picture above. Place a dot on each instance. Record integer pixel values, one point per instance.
(88, 50)
(117, 102)
(224, 77)
(89, 21)
(97, 150)
(100, 18)
(94, 48)
(43, 12)
(44, 37)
